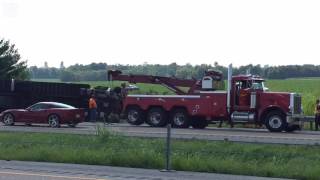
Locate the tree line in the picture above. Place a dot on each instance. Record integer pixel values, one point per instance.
(98, 71)
(11, 66)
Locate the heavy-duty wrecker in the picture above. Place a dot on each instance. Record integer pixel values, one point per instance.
(246, 100)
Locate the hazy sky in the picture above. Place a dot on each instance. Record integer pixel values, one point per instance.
(274, 32)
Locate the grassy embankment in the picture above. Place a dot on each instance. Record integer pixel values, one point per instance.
(300, 162)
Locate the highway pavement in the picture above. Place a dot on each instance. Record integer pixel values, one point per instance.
(18, 170)
(211, 133)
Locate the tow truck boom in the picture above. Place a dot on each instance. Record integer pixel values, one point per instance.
(171, 83)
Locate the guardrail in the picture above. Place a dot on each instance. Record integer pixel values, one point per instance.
(309, 119)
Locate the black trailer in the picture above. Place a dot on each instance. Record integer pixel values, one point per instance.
(20, 94)
(16, 94)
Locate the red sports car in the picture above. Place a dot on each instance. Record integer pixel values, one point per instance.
(51, 113)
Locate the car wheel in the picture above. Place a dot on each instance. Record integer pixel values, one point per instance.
(54, 120)
(275, 121)
(156, 117)
(8, 119)
(180, 118)
(135, 115)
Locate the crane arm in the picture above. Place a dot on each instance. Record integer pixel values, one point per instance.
(171, 83)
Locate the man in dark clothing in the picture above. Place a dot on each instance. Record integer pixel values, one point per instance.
(317, 114)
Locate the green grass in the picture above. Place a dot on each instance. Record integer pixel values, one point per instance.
(308, 88)
(46, 80)
(300, 162)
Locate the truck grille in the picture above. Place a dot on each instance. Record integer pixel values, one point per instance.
(297, 105)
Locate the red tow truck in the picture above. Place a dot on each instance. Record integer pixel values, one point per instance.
(245, 101)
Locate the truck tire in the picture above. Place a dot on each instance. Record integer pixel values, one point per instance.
(275, 121)
(156, 117)
(8, 119)
(199, 123)
(135, 115)
(180, 118)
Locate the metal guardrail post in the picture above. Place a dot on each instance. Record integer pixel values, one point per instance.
(168, 150)
(168, 153)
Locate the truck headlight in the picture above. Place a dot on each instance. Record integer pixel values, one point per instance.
(78, 116)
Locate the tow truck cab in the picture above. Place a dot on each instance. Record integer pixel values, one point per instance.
(250, 101)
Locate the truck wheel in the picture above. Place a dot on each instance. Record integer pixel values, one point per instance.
(8, 119)
(54, 120)
(199, 123)
(157, 117)
(275, 121)
(180, 118)
(135, 115)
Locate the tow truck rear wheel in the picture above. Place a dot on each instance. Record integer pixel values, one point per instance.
(275, 121)
(135, 115)
(156, 117)
(180, 118)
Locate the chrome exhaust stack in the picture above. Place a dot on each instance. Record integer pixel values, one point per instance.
(229, 88)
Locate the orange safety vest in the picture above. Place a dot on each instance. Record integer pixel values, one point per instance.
(92, 103)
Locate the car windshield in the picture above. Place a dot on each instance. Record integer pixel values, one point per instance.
(40, 106)
(61, 105)
(37, 107)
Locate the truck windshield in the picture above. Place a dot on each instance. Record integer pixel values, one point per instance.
(259, 85)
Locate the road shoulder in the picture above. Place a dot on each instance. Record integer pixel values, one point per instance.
(108, 172)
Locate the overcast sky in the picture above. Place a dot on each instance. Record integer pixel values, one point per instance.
(274, 32)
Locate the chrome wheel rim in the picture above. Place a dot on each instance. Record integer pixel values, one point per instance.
(275, 122)
(133, 116)
(8, 119)
(179, 119)
(155, 118)
(53, 120)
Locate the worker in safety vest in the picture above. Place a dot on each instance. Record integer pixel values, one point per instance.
(92, 108)
(317, 114)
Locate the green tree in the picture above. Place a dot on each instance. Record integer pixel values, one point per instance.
(67, 76)
(10, 64)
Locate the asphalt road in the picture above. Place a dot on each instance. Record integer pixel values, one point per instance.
(18, 170)
(211, 133)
